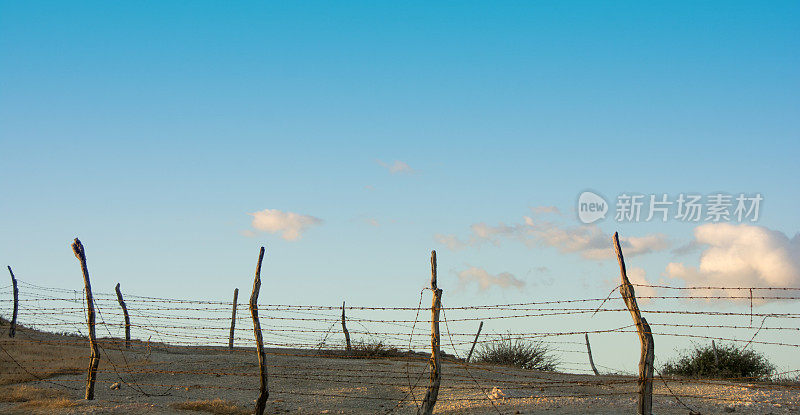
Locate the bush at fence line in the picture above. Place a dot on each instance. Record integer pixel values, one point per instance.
(730, 362)
(518, 352)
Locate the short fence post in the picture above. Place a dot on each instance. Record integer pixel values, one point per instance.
(263, 395)
(12, 331)
(589, 350)
(435, 367)
(344, 329)
(127, 318)
(77, 248)
(716, 357)
(233, 317)
(645, 336)
(471, 349)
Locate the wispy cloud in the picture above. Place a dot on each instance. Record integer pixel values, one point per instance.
(742, 256)
(485, 280)
(396, 167)
(540, 210)
(589, 241)
(450, 241)
(289, 224)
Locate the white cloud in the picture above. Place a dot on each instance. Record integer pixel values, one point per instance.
(486, 280)
(742, 256)
(396, 167)
(289, 224)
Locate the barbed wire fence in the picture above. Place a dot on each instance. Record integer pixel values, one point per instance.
(190, 341)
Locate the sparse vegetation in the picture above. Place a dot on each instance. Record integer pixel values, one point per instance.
(215, 406)
(33, 399)
(32, 346)
(730, 362)
(518, 352)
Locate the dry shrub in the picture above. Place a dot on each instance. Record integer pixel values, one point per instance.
(518, 352)
(215, 406)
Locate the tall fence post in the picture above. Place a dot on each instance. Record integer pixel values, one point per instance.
(471, 349)
(344, 329)
(645, 336)
(233, 317)
(77, 248)
(12, 331)
(589, 351)
(435, 367)
(127, 318)
(263, 395)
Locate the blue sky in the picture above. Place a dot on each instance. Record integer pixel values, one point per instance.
(152, 130)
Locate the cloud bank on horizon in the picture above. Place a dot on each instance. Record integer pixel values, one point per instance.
(742, 256)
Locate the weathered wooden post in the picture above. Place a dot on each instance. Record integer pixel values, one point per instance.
(233, 316)
(127, 318)
(645, 336)
(261, 402)
(589, 350)
(435, 367)
(469, 356)
(12, 331)
(344, 329)
(716, 356)
(94, 361)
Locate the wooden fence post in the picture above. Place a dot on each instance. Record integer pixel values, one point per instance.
(263, 395)
(127, 318)
(716, 356)
(645, 336)
(589, 350)
(77, 248)
(233, 316)
(469, 356)
(435, 367)
(344, 328)
(12, 331)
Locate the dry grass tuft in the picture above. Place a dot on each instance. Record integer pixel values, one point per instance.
(25, 393)
(33, 399)
(216, 406)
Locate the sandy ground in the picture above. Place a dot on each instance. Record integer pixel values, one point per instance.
(302, 383)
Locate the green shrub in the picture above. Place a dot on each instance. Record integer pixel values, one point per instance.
(730, 362)
(519, 353)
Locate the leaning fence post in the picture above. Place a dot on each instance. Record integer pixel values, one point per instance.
(13, 329)
(127, 318)
(77, 248)
(589, 351)
(263, 395)
(645, 336)
(469, 356)
(233, 317)
(344, 329)
(435, 367)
